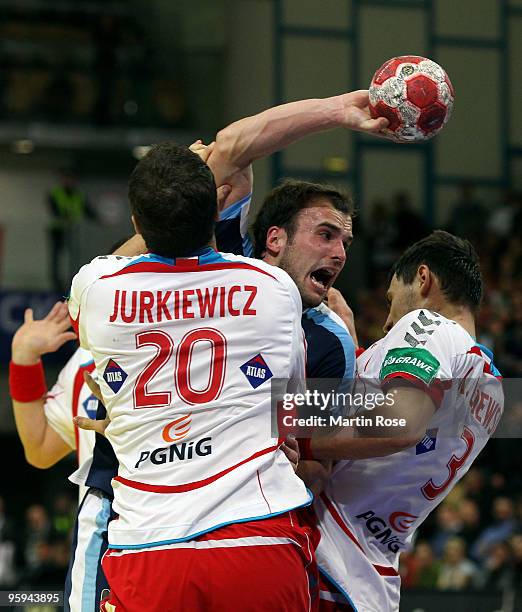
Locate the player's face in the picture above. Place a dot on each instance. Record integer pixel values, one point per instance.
(316, 253)
(401, 300)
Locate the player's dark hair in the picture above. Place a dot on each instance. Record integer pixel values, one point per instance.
(452, 260)
(172, 195)
(282, 204)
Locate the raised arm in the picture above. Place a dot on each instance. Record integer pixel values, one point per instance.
(43, 446)
(251, 138)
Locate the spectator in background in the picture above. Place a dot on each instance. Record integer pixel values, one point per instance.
(457, 572)
(498, 569)
(516, 547)
(381, 238)
(68, 206)
(449, 525)
(469, 515)
(63, 515)
(421, 568)
(468, 217)
(409, 224)
(504, 526)
(37, 531)
(7, 549)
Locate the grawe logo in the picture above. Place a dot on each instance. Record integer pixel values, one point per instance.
(177, 429)
(416, 362)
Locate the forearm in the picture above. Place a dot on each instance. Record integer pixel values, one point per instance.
(385, 430)
(244, 141)
(135, 245)
(346, 445)
(43, 447)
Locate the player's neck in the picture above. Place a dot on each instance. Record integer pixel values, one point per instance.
(461, 315)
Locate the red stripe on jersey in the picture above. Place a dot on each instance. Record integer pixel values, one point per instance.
(486, 369)
(190, 486)
(383, 570)
(168, 269)
(435, 390)
(75, 323)
(77, 387)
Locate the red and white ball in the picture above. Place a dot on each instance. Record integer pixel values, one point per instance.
(416, 96)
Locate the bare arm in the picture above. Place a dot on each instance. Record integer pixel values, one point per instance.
(246, 140)
(409, 403)
(43, 447)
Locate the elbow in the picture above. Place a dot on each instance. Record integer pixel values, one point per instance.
(405, 440)
(38, 460)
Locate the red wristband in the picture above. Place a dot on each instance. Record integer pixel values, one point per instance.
(305, 449)
(27, 382)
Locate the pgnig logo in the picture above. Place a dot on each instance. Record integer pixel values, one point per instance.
(175, 431)
(382, 531)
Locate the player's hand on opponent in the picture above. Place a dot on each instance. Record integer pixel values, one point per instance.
(290, 448)
(100, 425)
(357, 114)
(204, 151)
(38, 337)
(337, 303)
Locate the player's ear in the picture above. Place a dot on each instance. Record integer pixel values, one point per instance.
(276, 239)
(135, 224)
(425, 280)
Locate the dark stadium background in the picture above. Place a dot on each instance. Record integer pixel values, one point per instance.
(86, 85)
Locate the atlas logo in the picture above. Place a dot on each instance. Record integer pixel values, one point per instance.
(90, 405)
(382, 531)
(176, 452)
(256, 371)
(178, 429)
(114, 376)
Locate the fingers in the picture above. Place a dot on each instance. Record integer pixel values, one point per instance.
(196, 145)
(56, 311)
(91, 424)
(291, 449)
(61, 339)
(222, 194)
(28, 315)
(374, 125)
(93, 385)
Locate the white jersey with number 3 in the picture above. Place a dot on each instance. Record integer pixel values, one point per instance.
(370, 508)
(185, 350)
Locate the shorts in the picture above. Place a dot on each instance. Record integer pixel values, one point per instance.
(263, 565)
(85, 578)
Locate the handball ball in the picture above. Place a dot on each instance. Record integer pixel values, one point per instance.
(414, 94)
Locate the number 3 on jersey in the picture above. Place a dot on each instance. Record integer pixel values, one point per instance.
(430, 490)
(164, 345)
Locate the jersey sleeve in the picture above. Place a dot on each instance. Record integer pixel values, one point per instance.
(418, 351)
(84, 279)
(232, 228)
(57, 405)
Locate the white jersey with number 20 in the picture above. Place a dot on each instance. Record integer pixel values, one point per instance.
(185, 350)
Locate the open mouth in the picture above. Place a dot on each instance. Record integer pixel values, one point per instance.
(322, 278)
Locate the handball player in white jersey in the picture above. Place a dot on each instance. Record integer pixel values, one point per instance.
(185, 342)
(447, 388)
